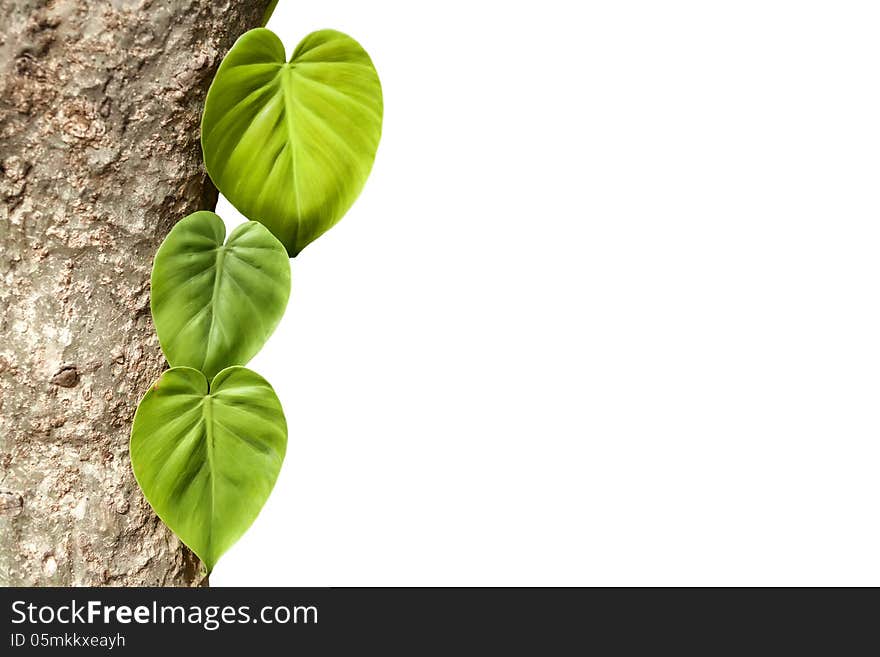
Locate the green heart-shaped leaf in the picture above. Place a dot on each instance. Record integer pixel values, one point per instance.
(215, 305)
(290, 144)
(207, 459)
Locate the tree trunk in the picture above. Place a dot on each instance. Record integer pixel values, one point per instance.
(100, 105)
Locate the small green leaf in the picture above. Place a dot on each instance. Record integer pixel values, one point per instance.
(207, 459)
(215, 305)
(290, 144)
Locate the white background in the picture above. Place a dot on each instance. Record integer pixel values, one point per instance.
(606, 312)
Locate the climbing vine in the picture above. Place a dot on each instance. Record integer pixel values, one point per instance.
(290, 143)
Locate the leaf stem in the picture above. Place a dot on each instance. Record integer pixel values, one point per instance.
(268, 13)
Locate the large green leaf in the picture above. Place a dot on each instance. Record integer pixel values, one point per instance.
(207, 459)
(290, 144)
(215, 305)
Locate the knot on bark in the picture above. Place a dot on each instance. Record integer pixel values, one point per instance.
(66, 377)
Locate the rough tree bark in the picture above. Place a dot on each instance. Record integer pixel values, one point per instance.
(99, 156)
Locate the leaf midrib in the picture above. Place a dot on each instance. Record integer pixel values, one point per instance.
(215, 292)
(208, 415)
(286, 84)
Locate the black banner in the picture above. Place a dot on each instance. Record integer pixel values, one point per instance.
(416, 620)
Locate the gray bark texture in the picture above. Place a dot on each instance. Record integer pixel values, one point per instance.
(100, 104)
